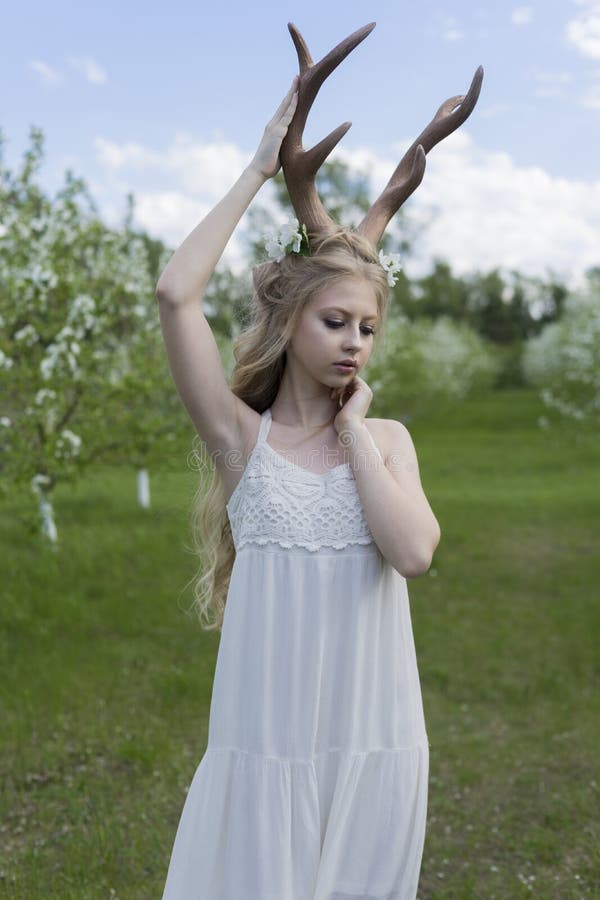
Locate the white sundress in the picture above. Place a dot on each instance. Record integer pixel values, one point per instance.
(314, 781)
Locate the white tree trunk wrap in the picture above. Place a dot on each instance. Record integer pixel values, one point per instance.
(143, 483)
(48, 525)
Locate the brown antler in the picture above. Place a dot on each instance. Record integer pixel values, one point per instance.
(300, 166)
(409, 173)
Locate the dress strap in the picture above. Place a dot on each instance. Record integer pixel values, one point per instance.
(375, 447)
(265, 424)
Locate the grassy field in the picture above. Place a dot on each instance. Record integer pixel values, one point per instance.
(106, 682)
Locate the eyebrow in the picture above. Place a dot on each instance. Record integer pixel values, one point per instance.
(344, 311)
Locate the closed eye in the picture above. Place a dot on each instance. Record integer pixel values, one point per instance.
(331, 324)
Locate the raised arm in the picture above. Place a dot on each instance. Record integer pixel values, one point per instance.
(189, 270)
(220, 418)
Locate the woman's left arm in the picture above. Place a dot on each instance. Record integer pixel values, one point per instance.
(396, 508)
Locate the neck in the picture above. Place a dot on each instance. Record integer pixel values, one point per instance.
(304, 426)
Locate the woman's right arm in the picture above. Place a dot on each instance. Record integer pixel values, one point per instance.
(189, 270)
(192, 351)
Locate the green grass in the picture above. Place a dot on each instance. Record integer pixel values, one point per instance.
(106, 682)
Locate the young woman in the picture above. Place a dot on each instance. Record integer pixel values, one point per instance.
(314, 782)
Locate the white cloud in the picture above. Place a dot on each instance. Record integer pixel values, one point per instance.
(170, 212)
(202, 173)
(553, 93)
(483, 211)
(476, 208)
(205, 168)
(452, 34)
(583, 32)
(89, 68)
(553, 77)
(46, 72)
(493, 110)
(193, 161)
(450, 28)
(116, 156)
(522, 15)
(591, 98)
(551, 84)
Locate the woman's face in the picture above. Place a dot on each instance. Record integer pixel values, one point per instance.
(336, 324)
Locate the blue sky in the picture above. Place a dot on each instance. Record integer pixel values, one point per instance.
(169, 102)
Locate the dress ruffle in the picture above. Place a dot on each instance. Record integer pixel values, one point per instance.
(337, 827)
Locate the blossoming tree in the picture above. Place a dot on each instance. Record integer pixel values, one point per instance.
(84, 377)
(563, 361)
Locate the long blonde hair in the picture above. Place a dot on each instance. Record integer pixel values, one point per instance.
(281, 292)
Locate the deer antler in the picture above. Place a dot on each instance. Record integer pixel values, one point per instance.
(409, 172)
(300, 166)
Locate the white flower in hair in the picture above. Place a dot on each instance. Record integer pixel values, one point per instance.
(291, 238)
(392, 265)
(275, 250)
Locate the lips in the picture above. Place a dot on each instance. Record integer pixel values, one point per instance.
(346, 362)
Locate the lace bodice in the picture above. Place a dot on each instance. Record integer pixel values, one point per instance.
(278, 501)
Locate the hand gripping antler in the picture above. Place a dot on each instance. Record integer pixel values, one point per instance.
(409, 173)
(301, 166)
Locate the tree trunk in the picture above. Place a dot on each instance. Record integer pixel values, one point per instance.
(143, 485)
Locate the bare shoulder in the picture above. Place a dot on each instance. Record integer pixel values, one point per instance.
(397, 446)
(388, 434)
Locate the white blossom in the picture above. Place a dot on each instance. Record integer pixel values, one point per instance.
(68, 444)
(4, 420)
(72, 438)
(5, 361)
(38, 224)
(37, 481)
(39, 276)
(65, 331)
(563, 360)
(49, 361)
(44, 394)
(288, 237)
(27, 334)
(83, 308)
(275, 250)
(391, 263)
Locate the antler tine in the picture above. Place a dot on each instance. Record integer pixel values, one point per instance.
(301, 166)
(409, 173)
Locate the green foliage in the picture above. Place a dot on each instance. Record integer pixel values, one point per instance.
(503, 309)
(564, 359)
(226, 301)
(428, 364)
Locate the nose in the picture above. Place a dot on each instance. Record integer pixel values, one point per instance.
(352, 341)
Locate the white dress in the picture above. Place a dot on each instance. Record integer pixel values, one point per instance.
(314, 782)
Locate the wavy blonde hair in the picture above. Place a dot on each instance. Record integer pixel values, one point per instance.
(281, 292)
